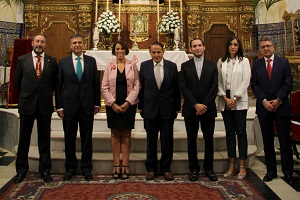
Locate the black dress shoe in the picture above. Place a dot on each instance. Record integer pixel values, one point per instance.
(193, 175)
(46, 177)
(69, 175)
(19, 178)
(289, 179)
(88, 176)
(269, 177)
(211, 175)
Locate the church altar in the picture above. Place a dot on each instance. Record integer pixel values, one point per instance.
(103, 57)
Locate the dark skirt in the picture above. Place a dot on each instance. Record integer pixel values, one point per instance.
(121, 121)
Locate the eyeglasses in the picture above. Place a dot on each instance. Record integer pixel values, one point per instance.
(266, 46)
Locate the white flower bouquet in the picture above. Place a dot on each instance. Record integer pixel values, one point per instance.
(169, 22)
(108, 23)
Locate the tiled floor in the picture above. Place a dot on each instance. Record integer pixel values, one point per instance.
(276, 189)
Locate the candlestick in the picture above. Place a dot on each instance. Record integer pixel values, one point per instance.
(106, 4)
(120, 11)
(169, 5)
(176, 34)
(157, 11)
(96, 11)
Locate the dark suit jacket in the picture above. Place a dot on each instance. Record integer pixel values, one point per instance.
(166, 100)
(202, 91)
(71, 93)
(32, 90)
(279, 86)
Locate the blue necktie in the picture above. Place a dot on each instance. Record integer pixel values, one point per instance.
(78, 68)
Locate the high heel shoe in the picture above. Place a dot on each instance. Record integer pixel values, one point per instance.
(125, 175)
(242, 176)
(230, 173)
(116, 174)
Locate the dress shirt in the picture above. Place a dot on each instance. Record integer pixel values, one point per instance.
(75, 62)
(229, 70)
(161, 63)
(35, 59)
(199, 65)
(266, 61)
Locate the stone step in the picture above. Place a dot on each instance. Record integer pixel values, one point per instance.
(103, 161)
(101, 141)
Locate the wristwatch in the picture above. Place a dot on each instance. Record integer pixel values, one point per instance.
(234, 98)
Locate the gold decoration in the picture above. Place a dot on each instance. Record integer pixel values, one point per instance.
(58, 22)
(44, 19)
(247, 21)
(73, 19)
(193, 21)
(139, 23)
(84, 21)
(31, 21)
(232, 21)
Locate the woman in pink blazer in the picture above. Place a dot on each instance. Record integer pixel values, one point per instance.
(120, 88)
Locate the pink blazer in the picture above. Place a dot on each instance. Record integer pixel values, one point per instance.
(108, 87)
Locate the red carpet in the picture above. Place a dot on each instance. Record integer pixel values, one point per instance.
(103, 187)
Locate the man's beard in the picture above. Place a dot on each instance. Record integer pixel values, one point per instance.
(41, 50)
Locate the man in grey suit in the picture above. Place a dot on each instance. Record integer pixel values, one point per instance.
(159, 105)
(199, 86)
(35, 78)
(77, 99)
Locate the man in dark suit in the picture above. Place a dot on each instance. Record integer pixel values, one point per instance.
(77, 101)
(159, 105)
(35, 78)
(272, 83)
(199, 86)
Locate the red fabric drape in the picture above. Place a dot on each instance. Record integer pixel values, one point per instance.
(21, 47)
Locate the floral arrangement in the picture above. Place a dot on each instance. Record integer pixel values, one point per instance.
(169, 22)
(107, 23)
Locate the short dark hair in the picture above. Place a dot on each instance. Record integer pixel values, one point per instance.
(124, 46)
(239, 53)
(41, 34)
(157, 43)
(265, 39)
(196, 39)
(76, 35)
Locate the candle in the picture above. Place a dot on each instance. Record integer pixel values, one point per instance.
(181, 11)
(176, 34)
(169, 5)
(106, 4)
(157, 12)
(96, 11)
(120, 11)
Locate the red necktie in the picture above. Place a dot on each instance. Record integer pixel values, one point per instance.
(269, 68)
(38, 67)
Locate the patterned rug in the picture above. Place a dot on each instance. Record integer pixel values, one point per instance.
(136, 187)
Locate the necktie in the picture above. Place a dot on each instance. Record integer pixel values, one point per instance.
(78, 68)
(38, 67)
(269, 68)
(157, 75)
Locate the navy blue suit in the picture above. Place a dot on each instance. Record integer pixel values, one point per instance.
(280, 87)
(78, 99)
(159, 109)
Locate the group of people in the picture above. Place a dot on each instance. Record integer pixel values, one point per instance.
(156, 91)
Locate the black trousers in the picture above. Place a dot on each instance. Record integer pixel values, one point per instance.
(43, 131)
(70, 124)
(208, 128)
(283, 126)
(165, 127)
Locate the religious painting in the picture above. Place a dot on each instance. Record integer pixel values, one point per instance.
(139, 27)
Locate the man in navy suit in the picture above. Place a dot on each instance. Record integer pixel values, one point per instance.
(199, 86)
(272, 83)
(159, 105)
(77, 101)
(35, 78)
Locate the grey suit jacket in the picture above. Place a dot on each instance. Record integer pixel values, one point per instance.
(35, 92)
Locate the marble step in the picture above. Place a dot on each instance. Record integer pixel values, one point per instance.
(103, 161)
(101, 141)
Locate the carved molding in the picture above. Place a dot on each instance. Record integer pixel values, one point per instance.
(73, 19)
(84, 21)
(247, 21)
(206, 24)
(31, 21)
(193, 21)
(233, 22)
(58, 22)
(44, 19)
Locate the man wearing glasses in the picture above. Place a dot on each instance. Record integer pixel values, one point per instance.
(272, 83)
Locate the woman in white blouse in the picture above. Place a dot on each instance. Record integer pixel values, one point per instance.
(234, 78)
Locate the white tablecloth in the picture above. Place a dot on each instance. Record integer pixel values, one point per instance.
(2, 74)
(103, 57)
